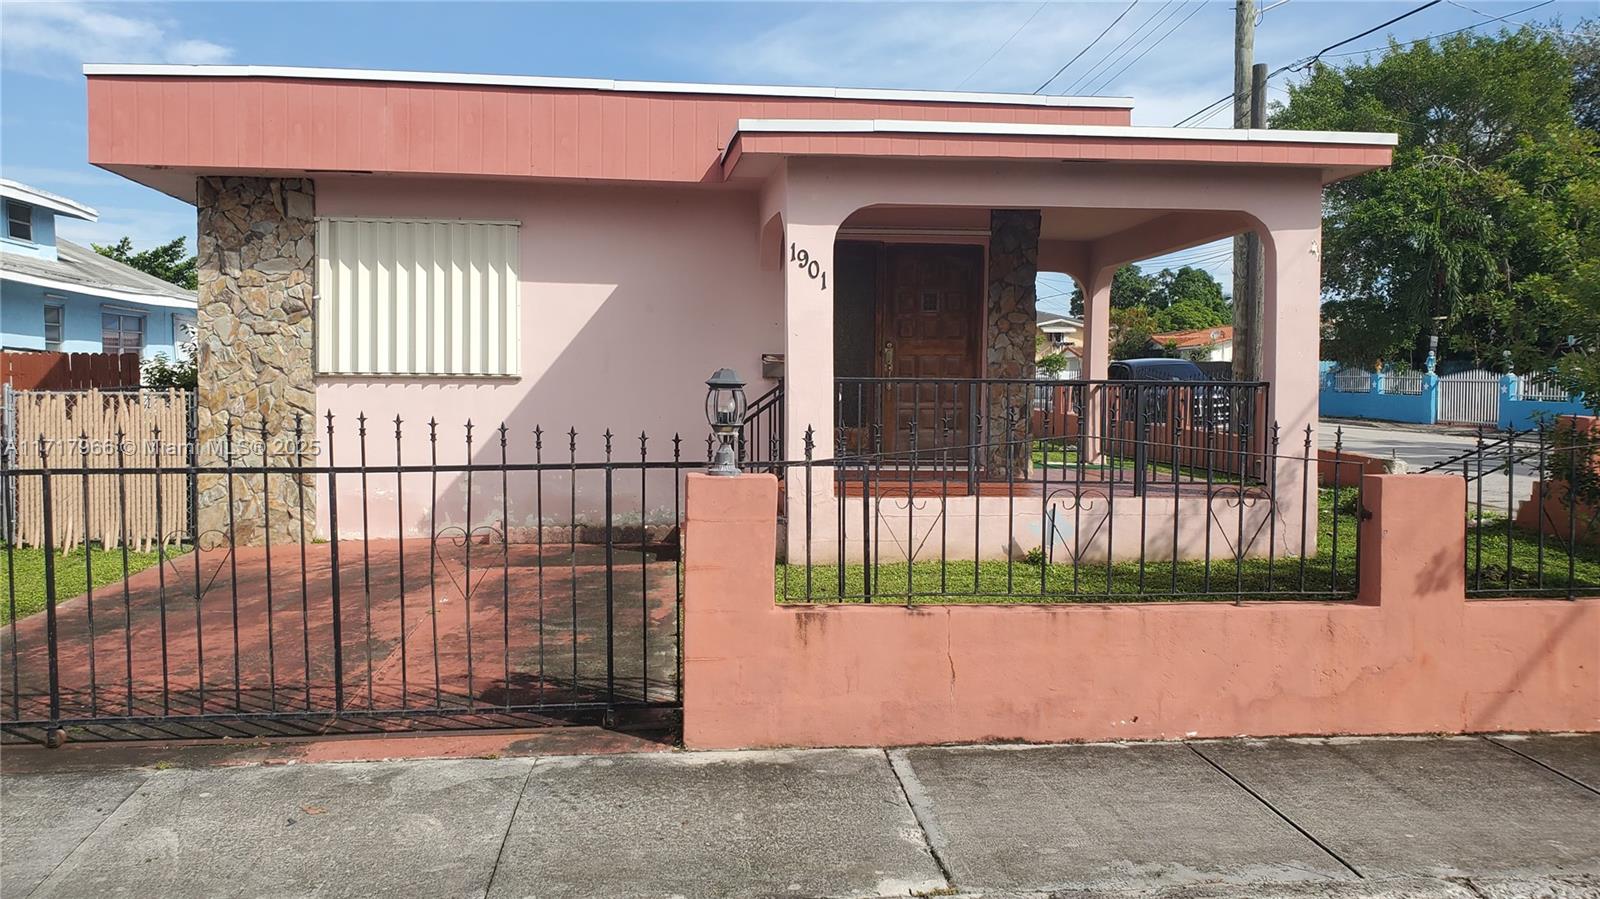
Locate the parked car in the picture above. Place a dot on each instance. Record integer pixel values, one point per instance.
(1209, 402)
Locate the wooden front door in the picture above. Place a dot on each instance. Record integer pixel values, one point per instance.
(930, 320)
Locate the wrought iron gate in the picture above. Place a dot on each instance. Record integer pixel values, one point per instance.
(522, 579)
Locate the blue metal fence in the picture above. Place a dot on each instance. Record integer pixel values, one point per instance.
(1523, 401)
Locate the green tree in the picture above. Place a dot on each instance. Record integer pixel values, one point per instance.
(1131, 328)
(1131, 287)
(1485, 222)
(1187, 284)
(1053, 364)
(1188, 299)
(1582, 46)
(1192, 315)
(168, 262)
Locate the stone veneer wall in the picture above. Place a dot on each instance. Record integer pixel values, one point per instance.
(257, 264)
(1012, 328)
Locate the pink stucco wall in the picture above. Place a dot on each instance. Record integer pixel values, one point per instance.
(630, 299)
(1411, 656)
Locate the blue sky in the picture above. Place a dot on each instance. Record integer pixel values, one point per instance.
(914, 45)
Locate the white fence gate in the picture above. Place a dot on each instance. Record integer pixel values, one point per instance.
(1470, 398)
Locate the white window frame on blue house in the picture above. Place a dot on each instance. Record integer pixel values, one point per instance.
(123, 313)
(59, 307)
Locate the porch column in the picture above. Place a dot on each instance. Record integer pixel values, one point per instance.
(1292, 245)
(1011, 350)
(808, 337)
(1097, 322)
(257, 264)
(808, 390)
(1096, 353)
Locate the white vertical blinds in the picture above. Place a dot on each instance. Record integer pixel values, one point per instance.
(416, 297)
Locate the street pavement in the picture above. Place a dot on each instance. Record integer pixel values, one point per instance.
(1467, 817)
(1420, 447)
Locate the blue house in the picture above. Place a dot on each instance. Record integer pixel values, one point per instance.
(56, 295)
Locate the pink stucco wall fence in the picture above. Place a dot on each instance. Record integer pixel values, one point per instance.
(1411, 655)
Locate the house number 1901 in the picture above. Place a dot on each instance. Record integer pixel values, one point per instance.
(805, 263)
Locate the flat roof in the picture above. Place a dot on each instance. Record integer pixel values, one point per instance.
(1023, 129)
(602, 84)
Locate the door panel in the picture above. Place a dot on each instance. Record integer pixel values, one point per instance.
(930, 319)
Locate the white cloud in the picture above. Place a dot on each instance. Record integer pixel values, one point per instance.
(55, 39)
(51, 177)
(148, 226)
(936, 46)
(903, 45)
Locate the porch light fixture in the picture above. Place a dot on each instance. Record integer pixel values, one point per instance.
(725, 406)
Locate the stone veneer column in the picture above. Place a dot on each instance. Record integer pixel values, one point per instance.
(1011, 335)
(257, 263)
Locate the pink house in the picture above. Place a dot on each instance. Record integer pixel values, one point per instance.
(583, 252)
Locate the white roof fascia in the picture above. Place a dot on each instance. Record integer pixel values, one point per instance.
(13, 190)
(605, 84)
(1023, 129)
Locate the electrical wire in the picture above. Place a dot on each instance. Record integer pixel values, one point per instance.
(1088, 48)
(1133, 38)
(1004, 45)
(1211, 109)
(1450, 32)
(1097, 88)
(1556, 31)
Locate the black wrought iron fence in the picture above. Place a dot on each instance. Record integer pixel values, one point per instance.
(1088, 519)
(417, 577)
(1532, 511)
(978, 421)
(761, 438)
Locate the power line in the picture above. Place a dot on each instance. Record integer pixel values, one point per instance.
(1208, 110)
(1157, 43)
(1088, 48)
(1555, 31)
(1405, 15)
(1431, 37)
(1107, 61)
(1196, 254)
(1004, 45)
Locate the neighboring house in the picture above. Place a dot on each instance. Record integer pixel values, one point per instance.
(1201, 345)
(58, 296)
(1060, 332)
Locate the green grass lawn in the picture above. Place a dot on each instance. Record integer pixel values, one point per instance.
(1531, 572)
(1060, 456)
(1328, 573)
(28, 578)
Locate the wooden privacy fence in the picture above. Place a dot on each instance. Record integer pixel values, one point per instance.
(80, 430)
(69, 371)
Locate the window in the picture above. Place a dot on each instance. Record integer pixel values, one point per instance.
(417, 297)
(1058, 337)
(19, 221)
(53, 316)
(183, 328)
(121, 332)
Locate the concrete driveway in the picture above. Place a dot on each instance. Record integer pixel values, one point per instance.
(1416, 817)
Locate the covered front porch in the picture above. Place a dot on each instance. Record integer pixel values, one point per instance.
(909, 266)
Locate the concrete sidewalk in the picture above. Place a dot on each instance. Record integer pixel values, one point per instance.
(1457, 817)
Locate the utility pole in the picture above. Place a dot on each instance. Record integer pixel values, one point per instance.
(1255, 294)
(1246, 294)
